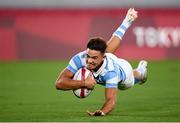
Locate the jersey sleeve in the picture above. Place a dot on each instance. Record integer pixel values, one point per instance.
(111, 79)
(74, 64)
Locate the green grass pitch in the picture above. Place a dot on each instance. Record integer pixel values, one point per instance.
(27, 93)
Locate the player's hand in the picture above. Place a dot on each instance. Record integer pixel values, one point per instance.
(131, 15)
(90, 82)
(96, 113)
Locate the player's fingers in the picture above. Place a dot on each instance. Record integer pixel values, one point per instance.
(134, 16)
(89, 113)
(91, 76)
(134, 11)
(130, 9)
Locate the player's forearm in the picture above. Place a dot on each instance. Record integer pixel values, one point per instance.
(69, 84)
(108, 106)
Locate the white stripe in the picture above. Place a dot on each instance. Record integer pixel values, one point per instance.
(114, 34)
(73, 65)
(83, 61)
(110, 65)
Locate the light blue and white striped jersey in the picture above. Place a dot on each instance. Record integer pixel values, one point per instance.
(109, 74)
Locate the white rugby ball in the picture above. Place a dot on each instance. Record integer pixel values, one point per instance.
(82, 74)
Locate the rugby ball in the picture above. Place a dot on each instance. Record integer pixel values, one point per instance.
(82, 74)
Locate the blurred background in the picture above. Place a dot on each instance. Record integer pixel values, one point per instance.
(38, 37)
(57, 29)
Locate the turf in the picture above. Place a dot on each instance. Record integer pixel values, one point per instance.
(27, 93)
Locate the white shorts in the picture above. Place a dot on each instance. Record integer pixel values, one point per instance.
(129, 81)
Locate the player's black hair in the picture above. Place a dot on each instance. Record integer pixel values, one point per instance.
(98, 44)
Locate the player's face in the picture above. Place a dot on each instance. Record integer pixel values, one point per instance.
(93, 59)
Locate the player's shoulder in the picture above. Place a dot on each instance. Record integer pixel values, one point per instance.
(81, 55)
(111, 61)
(111, 56)
(77, 62)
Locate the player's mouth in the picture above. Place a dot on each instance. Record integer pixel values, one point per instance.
(90, 66)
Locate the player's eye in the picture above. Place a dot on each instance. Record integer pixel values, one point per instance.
(87, 56)
(95, 57)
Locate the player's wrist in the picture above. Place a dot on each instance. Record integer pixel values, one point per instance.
(99, 113)
(127, 23)
(130, 17)
(121, 30)
(82, 83)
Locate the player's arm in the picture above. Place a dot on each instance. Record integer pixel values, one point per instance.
(110, 102)
(65, 81)
(111, 79)
(117, 36)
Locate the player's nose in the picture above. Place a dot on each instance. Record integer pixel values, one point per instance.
(90, 61)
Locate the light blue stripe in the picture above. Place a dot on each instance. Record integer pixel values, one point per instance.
(110, 75)
(70, 68)
(111, 85)
(123, 27)
(119, 33)
(77, 61)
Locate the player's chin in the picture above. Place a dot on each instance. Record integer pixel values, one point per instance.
(89, 68)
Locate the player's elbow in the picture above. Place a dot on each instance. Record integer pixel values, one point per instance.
(59, 85)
